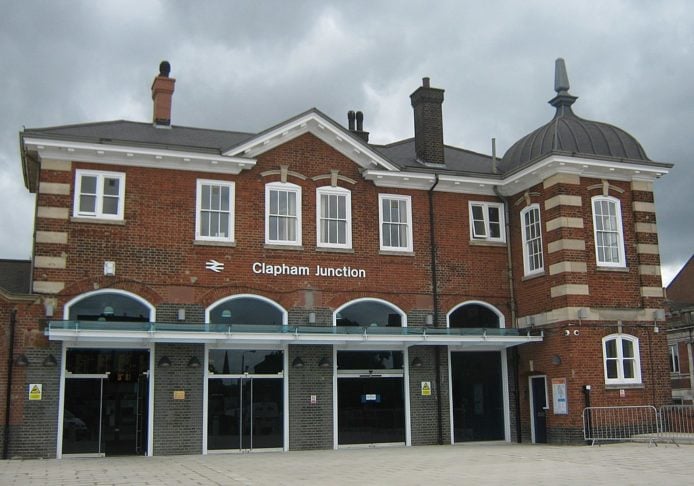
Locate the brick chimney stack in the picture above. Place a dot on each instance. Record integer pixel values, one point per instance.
(428, 123)
(162, 93)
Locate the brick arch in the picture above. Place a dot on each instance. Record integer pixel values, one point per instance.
(91, 284)
(403, 314)
(480, 303)
(111, 290)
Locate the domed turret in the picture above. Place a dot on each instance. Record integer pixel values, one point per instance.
(568, 134)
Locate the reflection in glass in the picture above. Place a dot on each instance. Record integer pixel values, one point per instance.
(369, 313)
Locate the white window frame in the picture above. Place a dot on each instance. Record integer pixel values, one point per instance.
(618, 231)
(620, 359)
(340, 192)
(674, 358)
(99, 195)
(198, 210)
(479, 236)
(527, 241)
(408, 211)
(286, 187)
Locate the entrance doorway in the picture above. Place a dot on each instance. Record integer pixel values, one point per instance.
(245, 400)
(105, 403)
(478, 406)
(370, 397)
(538, 409)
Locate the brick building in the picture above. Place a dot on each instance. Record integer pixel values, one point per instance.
(680, 311)
(198, 290)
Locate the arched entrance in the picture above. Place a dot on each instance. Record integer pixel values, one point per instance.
(477, 395)
(371, 399)
(105, 392)
(246, 388)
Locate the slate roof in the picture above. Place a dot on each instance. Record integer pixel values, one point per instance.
(123, 132)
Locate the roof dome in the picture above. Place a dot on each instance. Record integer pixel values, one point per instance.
(569, 134)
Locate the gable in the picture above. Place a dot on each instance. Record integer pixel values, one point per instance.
(321, 127)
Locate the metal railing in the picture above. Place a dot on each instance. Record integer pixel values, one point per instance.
(673, 423)
(635, 423)
(677, 423)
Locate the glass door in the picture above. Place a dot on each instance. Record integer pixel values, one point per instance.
(245, 400)
(370, 397)
(105, 402)
(477, 396)
(245, 413)
(82, 413)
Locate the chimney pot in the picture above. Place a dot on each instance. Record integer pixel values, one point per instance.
(350, 120)
(162, 93)
(425, 82)
(360, 121)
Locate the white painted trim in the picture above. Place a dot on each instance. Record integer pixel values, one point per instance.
(232, 209)
(105, 344)
(205, 400)
(290, 188)
(500, 315)
(524, 236)
(61, 403)
(408, 211)
(620, 380)
(406, 394)
(403, 314)
(133, 156)
(250, 296)
(486, 205)
(75, 300)
(99, 195)
(505, 395)
(334, 191)
(324, 129)
(620, 231)
(285, 396)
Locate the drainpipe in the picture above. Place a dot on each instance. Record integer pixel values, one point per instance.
(512, 293)
(435, 298)
(10, 369)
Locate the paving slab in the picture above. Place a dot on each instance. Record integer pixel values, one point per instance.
(492, 463)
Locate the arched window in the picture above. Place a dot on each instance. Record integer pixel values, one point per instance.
(109, 305)
(607, 228)
(246, 309)
(475, 315)
(621, 359)
(531, 229)
(370, 313)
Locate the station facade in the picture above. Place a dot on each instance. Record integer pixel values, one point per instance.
(196, 291)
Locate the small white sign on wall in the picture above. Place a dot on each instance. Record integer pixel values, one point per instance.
(559, 402)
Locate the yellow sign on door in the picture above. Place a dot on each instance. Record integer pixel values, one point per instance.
(35, 391)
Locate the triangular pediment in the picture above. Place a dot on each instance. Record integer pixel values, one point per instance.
(322, 127)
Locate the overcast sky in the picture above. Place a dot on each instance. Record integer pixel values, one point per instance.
(247, 65)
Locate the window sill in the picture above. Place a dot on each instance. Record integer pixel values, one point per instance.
(214, 243)
(533, 276)
(275, 246)
(624, 386)
(117, 222)
(487, 243)
(334, 250)
(396, 253)
(598, 268)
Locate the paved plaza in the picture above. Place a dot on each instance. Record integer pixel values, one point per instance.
(515, 464)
